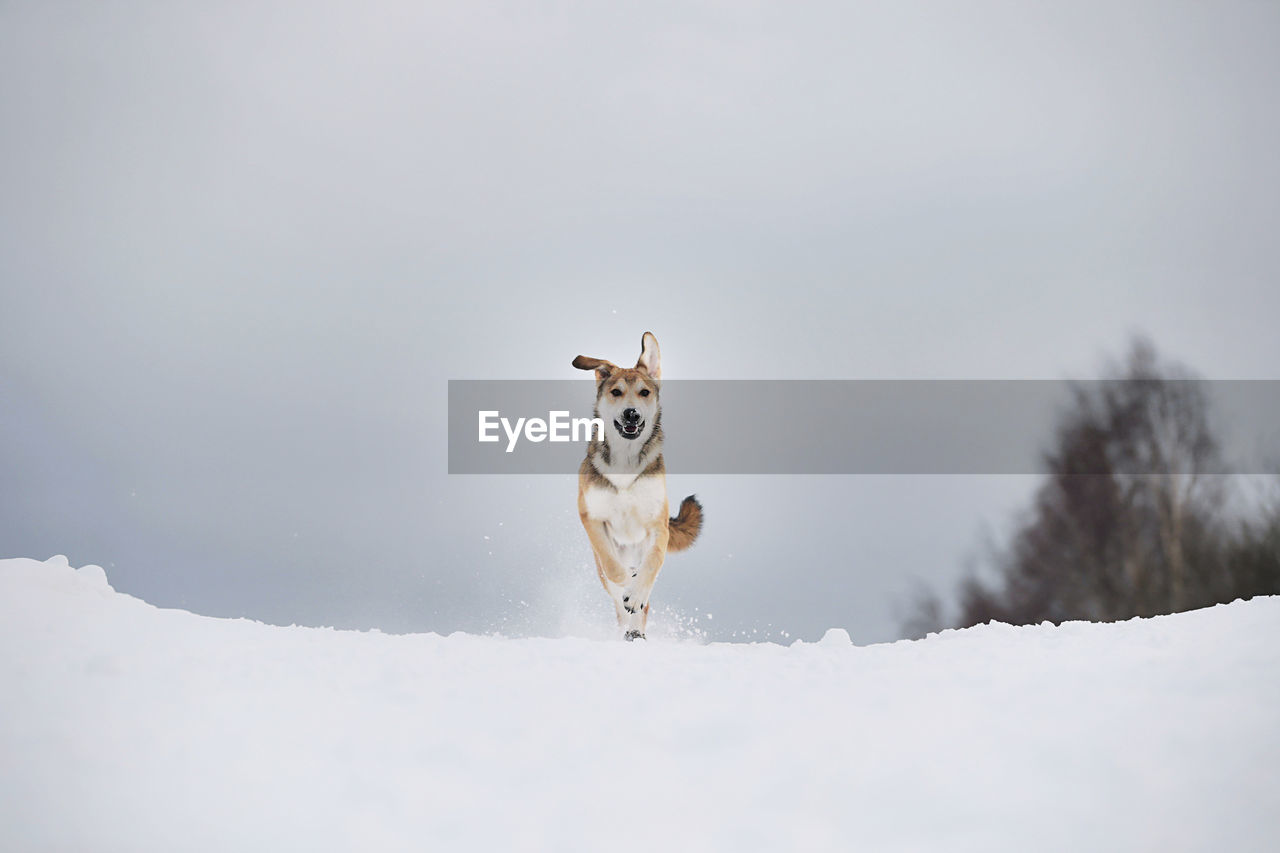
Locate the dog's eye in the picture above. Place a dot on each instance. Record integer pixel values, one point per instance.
(616, 392)
(644, 392)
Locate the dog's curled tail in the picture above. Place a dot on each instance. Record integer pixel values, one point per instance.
(686, 526)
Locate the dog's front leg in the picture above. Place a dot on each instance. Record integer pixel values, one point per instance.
(611, 570)
(635, 595)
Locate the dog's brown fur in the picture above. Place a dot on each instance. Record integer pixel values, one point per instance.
(622, 491)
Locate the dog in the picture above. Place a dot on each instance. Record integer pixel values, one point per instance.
(622, 486)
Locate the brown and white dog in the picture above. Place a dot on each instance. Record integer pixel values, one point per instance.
(622, 486)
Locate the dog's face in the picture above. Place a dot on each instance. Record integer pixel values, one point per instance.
(627, 397)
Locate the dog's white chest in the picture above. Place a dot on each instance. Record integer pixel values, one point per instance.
(628, 511)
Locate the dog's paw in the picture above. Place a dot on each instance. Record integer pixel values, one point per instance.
(634, 635)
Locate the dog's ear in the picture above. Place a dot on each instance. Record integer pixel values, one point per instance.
(599, 365)
(650, 361)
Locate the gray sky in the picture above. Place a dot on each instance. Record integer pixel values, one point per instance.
(243, 247)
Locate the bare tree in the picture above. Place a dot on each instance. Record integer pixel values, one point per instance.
(1253, 553)
(1129, 520)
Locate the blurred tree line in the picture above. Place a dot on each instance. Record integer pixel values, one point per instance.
(1131, 519)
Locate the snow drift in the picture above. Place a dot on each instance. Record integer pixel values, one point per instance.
(127, 727)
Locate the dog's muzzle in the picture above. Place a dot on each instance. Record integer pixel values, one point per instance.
(630, 425)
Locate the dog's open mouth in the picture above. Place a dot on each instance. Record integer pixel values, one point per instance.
(629, 430)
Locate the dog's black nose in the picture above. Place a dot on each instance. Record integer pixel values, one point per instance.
(630, 416)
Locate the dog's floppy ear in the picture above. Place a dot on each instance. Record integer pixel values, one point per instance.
(650, 361)
(599, 365)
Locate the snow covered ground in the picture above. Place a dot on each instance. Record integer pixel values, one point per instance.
(126, 727)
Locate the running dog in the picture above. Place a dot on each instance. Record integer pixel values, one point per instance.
(622, 486)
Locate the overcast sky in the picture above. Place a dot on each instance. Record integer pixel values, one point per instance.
(244, 246)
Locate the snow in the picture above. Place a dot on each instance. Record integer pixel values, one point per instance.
(124, 727)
